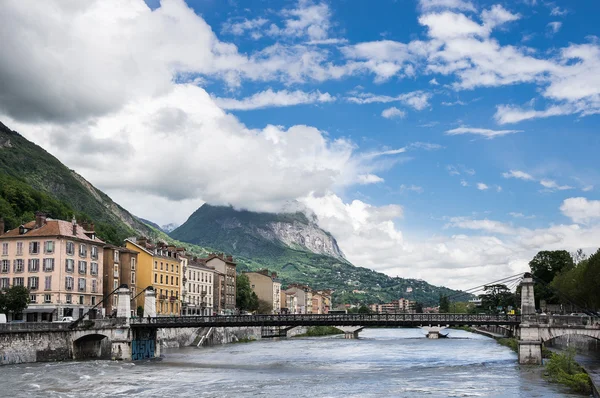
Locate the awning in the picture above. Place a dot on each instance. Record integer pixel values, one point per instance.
(30, 310)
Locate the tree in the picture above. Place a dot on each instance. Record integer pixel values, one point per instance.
(544, 267)
(246, 299)
(264, 307)
(418, 307)
(14, 299)
(140, 311)
(497, 298)
(444, 304)
(363, 309)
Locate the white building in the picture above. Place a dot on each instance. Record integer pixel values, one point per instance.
(198, 295)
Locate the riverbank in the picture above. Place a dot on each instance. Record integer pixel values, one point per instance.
(316, 331)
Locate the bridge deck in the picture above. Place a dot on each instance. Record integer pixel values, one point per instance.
(381, 320)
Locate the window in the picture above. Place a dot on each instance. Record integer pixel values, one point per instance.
(33, 298)
(94, 286)
(94, 252)
(94, 268)
(68, 299)
(5, 266)
(19, 264)
(70, 248)
(49, 246)
(69, 265)
(47, 298)
(4, 283)
(116, 271)
(81, 285)
(18, 281)
(19, 248)
(209, 278)
(155, 278)
(116, 256)
(69, 283)
(82, 250)
(4, 247)
(81, 299)
(48, 283)
(171, 279)
(48, 264)
(34, 247)
(115, 285)
(132, 277)
(82, 267)
(172, 268)
(133, 263)
(155, 264)
(161, 279)
(177, 268)
(93, 300)
(161, 266)
(33, 265)
(177, 280)
(33, 283)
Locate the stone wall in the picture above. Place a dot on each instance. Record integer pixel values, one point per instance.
(581, 343)
(34, 347)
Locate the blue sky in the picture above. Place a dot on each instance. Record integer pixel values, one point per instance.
(431, 137)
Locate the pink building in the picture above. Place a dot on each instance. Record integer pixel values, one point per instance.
(60, 262)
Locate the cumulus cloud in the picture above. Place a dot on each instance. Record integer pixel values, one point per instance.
(393, 113)
(482, 187)
(239, 28)
(270, 98)
(487, 133)
(369, 179)
(581, 210)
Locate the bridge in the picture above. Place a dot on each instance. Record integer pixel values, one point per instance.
(136, 338)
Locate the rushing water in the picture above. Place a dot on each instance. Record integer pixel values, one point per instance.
(383, 363)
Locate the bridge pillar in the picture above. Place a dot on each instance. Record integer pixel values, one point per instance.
(434, 332)
(350, 332)
(530, 342)
(150, 303)
(123, 303)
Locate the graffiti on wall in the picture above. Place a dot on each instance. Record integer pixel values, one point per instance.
(142, 349)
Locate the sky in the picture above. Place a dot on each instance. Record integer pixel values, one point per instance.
(444, 140)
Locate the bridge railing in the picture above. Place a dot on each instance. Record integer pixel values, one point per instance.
(358, 319)
(563, 320)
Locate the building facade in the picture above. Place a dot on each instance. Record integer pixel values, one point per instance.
(120, 268)
(158, 265)
(60, 262)
(267, 287)
(304, 298)
(198, 285)
(227, 267)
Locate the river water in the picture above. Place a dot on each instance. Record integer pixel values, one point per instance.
(383, 363)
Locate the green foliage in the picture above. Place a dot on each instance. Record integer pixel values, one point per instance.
(510, 342)
(544, 267)
(418, 308)
(246, 299)
(444, 304)
(496, 296)
(562, 368)
(14, 299)
(140, 311)
(580, 283)
(363, 309)
(264, 307)
(315, 331)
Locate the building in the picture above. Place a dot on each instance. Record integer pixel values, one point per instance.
(405, 305)
(267, 287)
(60, 262)
(198, 285)
(304, 298)
(218, 292)
(321, 301)
(227, 267)
(120, 268)
(289, 302)
(158, 265)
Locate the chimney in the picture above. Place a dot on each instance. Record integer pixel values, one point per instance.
(230, 258)
(274, 275)
(40, 219)
(74, 223)
(92, 227)
(1, 226)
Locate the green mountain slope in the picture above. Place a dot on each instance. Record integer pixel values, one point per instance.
(255, 243)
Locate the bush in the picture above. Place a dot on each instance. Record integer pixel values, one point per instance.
(562, 368)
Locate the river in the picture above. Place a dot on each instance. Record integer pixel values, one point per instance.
(383, 363)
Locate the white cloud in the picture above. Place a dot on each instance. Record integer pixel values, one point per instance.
(310, 20)
(427, 5)
(506, 114)
(487, 133)
(581, 210)
(496, 16)
(482, 187)
(369, 179)
(434, 82)
(520, 215)
(518, 174)
(484, 225)
(464, 183)
(392, 113)
(459, 169)
(240, 28)
(413, 188)
(554, 26)
(557, 11)
(270, 98)
(552, 185)
(416, 99)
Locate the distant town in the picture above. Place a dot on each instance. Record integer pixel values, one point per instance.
(64, 271)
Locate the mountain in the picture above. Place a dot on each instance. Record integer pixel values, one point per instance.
(294, 246)
(169, 227)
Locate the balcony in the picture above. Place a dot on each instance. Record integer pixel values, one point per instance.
(172, 299)
(162, 297)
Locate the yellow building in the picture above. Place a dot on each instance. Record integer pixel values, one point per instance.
(159, 267)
